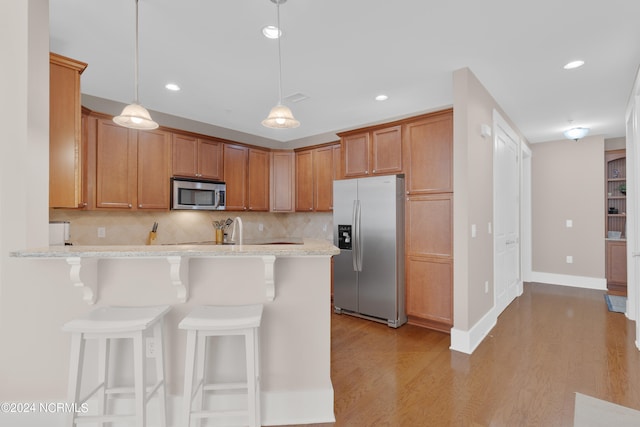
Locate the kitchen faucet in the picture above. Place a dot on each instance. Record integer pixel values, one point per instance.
(238, 221)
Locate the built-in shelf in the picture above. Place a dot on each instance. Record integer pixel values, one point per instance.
(616, 221)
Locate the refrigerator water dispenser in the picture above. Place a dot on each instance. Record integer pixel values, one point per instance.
(344, 236)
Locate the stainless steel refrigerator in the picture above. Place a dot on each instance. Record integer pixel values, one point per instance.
(368, 227)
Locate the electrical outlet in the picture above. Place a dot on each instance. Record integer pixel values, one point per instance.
(569, 259)
(102, 232)
(324, 227)
(260, 227)
(150, 345)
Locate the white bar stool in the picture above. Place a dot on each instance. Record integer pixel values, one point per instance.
(105, 324)
(210, 321)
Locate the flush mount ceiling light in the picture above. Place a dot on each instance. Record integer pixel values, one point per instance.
(135, 116)
(172, 87)
(382, 97)
(576, 133)
(573, 64)
(280, 116)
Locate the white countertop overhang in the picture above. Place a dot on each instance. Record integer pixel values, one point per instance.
(83, 260)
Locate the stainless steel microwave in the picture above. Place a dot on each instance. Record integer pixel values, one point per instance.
(198, 194)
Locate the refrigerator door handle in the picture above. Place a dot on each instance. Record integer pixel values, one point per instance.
(354, 237)
(358, 238)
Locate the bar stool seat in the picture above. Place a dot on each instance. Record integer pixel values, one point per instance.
(211, 321)
(105, 324)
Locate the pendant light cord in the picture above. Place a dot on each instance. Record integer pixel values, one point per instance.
(279, 53)
(136, 59)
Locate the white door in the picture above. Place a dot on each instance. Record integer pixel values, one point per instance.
(506, 210)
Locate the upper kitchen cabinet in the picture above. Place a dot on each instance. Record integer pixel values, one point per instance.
(132, 168)
(375, 151)
(65, 133)
(282, 181)
(246, 174)
(428, 153)
(196, 157)
(315, 171)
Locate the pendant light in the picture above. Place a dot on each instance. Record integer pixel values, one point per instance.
(135, 116)
(280, 116)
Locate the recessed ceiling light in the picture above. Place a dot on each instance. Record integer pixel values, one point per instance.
(382, 97)
(271, 32)
(172, 86)
(573, 64)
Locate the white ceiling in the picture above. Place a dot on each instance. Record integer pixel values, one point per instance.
(341, 53)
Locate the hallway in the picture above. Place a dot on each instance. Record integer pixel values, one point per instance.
(548, 344)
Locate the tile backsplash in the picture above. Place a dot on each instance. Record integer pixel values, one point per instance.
(132, 228)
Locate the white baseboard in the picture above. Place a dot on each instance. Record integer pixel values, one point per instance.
(599, 283)
(467, 341)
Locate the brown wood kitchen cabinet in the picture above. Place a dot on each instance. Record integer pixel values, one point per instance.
(132, 168)
(194, 157)
(246, 174)
(315, 172)
(282, 189)
(428, 143)
(66, 151)
(429, 260)
(376, 151)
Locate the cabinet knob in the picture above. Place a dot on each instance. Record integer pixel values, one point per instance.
(130, 205)
(310, 209)
(366, 172)
(140, 206)
(374, 171)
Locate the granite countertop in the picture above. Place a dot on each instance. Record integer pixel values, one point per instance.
(308, 247)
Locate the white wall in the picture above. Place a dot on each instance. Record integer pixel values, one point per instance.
(568, 184)
(24, 363)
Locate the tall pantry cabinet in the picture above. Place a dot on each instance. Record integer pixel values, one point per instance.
(428, 156)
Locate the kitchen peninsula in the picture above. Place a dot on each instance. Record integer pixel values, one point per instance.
(293, 281)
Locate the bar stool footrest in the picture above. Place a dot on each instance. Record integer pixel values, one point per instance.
(226, 386)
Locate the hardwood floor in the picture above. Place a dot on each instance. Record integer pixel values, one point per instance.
(549, 343)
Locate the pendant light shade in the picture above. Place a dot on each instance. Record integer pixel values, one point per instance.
(280, 116)
(134, 115)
